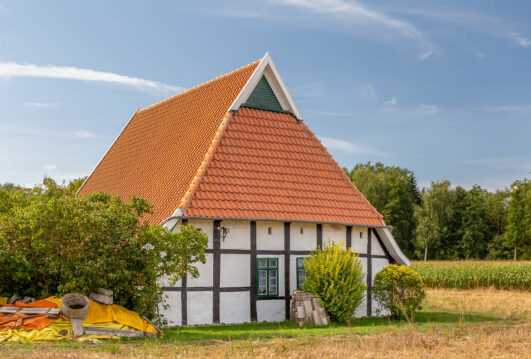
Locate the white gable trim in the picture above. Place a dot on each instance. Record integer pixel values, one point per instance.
(267, 68)
(391, 245)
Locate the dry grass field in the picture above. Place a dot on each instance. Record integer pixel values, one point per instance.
(479, 323)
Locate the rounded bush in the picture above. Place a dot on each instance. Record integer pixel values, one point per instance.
(336, 276)
(400, 290)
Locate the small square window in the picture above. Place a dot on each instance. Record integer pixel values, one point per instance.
(361, 234)
(302, 230)
(272, 263)
(269, 230)
(262, 263)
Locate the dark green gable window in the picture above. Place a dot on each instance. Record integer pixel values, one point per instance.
(301, 272)
(263, 97)
(267, 277)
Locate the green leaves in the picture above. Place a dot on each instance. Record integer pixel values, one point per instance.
(53, 242)
(336, 276)
(400, 290)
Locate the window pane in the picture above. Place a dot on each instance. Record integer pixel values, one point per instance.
(262, 274)
(300, 262)
(272, 263)
(262, 263)
(272, 290)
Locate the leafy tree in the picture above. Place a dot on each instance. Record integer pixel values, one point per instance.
(434, 215)
(518, 234)
(336, 276)
(53, 242)
(394, 193)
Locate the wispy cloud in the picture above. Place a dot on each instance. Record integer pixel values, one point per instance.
(366, 91)
(424, 56)
(429, 109)
(360, 14)
(49, 167)
(393, 101)
(84, 134)
(344, 146)
(42, 104)
(520, 40)
(474, 21)
(11, 69)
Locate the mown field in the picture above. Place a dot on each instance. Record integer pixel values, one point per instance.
(475, 274)
(478, 323)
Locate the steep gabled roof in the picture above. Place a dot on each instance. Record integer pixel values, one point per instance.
(158, 152)
(189, 157)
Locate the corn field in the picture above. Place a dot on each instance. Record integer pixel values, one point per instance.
(475, 274)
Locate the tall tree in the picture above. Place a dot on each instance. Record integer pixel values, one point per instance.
(518, 234)
(434, 215)
(475, 228)
(393, 192)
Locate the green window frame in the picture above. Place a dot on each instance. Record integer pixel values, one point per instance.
(301, 272)
(267, 273)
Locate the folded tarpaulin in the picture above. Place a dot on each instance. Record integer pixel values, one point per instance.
(102, 313)
(26, 321)
(60, 329)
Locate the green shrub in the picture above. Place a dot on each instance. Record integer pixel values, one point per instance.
(53, 242)
(475, 274)
(400, 290)
(336, 276)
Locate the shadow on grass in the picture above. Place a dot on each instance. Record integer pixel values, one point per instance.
(290, 330)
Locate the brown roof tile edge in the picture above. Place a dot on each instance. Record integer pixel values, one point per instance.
(345, 177)
(198, 86)
(188, 196)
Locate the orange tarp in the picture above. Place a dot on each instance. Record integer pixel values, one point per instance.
(26, 321)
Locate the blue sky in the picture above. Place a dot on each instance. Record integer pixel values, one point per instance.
(443, 88)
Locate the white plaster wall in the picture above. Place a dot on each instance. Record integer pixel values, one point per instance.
(334, 233)
(206, 226)
(199, 308)
(235, 271)
(239, 235)
(205, 273)
(164, 281)
(273, 241)
(234, 307)
(281, 280)
(173, 313)
(377, 265)
(361, 311)
(359, 244)
(375, 246)
(270, 310)
(307, 241)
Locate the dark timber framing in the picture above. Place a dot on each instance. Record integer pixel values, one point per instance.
(369, 273)
(184, 295)
(252, 293)
(253, 253)
(287, 289)
(349, 236)
(217, 272)
(319, 235)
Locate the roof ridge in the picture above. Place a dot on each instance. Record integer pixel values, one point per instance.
(345, 177)
(197, 86)
(187, 198)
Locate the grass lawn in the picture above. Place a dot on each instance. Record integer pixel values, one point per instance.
(446, 328)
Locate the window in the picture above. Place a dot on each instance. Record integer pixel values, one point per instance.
(301, 272)
(267, 277)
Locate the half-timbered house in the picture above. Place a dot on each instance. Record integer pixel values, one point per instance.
(234, 158)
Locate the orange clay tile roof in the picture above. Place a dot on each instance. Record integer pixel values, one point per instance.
(188, 152)
(266, 165)
(157, 154)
